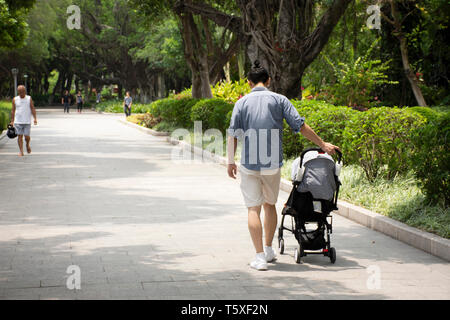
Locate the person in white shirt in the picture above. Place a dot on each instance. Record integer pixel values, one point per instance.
(22, 109)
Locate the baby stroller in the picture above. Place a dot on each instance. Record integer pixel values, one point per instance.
(313, 196)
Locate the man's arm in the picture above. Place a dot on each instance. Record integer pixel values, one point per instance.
(33, 110)
(297, 123)
(231, 151)
(13, 112)
(309, 134)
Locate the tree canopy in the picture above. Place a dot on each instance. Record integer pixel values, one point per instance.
(153, 47)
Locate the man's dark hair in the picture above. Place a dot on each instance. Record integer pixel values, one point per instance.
(258, 74)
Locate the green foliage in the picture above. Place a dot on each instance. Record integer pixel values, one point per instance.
(110, 106)
(380, 140)
(426, 112)
(330, 122)
(13, 25)
(400, 199)
(176, 112)
(5, 114)
(146, 119)
(358, 79)
(213, 113)
(231, 91)
(326, 119)
(431, 161)
(350, 32)
(163, 49)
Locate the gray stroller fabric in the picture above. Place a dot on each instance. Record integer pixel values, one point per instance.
(319, 179)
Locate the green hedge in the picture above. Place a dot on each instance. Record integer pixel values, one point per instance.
(383, 141)
(213, 113)
(176, 112)
(5, 115)
(380, 140)
(431, 161)
(327, 120)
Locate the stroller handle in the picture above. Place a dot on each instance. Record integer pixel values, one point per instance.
(339, 153)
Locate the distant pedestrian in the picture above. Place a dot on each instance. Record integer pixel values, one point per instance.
(22, 109)
(99, 96)
(65, 100)
(127, 102)
(79, 102)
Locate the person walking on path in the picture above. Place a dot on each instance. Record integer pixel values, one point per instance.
(22, 109)
(65, 100)
(127, 102)
(79, 102)
(257, 120)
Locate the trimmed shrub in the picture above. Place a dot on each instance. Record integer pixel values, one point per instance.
(380, 140)
(327, 120)
(176, 112)
(5, 115)
(146, 119)
(426, 112)
(330, 122)
(213, 113)
(431, 161)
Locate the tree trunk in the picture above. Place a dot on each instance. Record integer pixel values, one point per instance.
(196, 57)
(410, 74)
(278, 34)
(46, 83)
(241, 63)
(68, 85)
(196, 85)
(396, 22)
(161, 87)
(120, 89)
(86, 91)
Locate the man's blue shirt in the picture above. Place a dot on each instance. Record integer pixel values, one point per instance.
(258, 117)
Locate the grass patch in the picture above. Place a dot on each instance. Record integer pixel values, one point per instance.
(400, 199)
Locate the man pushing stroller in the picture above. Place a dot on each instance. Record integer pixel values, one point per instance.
(257, 120)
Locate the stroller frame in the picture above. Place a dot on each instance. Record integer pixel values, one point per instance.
(298, 225)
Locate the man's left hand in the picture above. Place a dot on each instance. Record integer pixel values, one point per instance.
(35, 122)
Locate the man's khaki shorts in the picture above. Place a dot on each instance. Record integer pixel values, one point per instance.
(259, 187)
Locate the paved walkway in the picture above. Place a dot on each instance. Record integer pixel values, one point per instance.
(107, 198)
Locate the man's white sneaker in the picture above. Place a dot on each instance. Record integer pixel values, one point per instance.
(260, 262)
(270, 254)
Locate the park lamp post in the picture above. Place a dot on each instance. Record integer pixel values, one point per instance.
(26, 78)
(15, 72)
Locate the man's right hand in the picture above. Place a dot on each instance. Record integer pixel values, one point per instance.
(232, 170)
(329, 148)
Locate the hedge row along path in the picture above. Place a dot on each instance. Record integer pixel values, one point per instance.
(107, 198)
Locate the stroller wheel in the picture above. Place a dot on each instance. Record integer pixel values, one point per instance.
(281, 246)
(332, 255)
(298, 254)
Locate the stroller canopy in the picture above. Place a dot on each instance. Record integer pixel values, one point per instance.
(318, 177)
